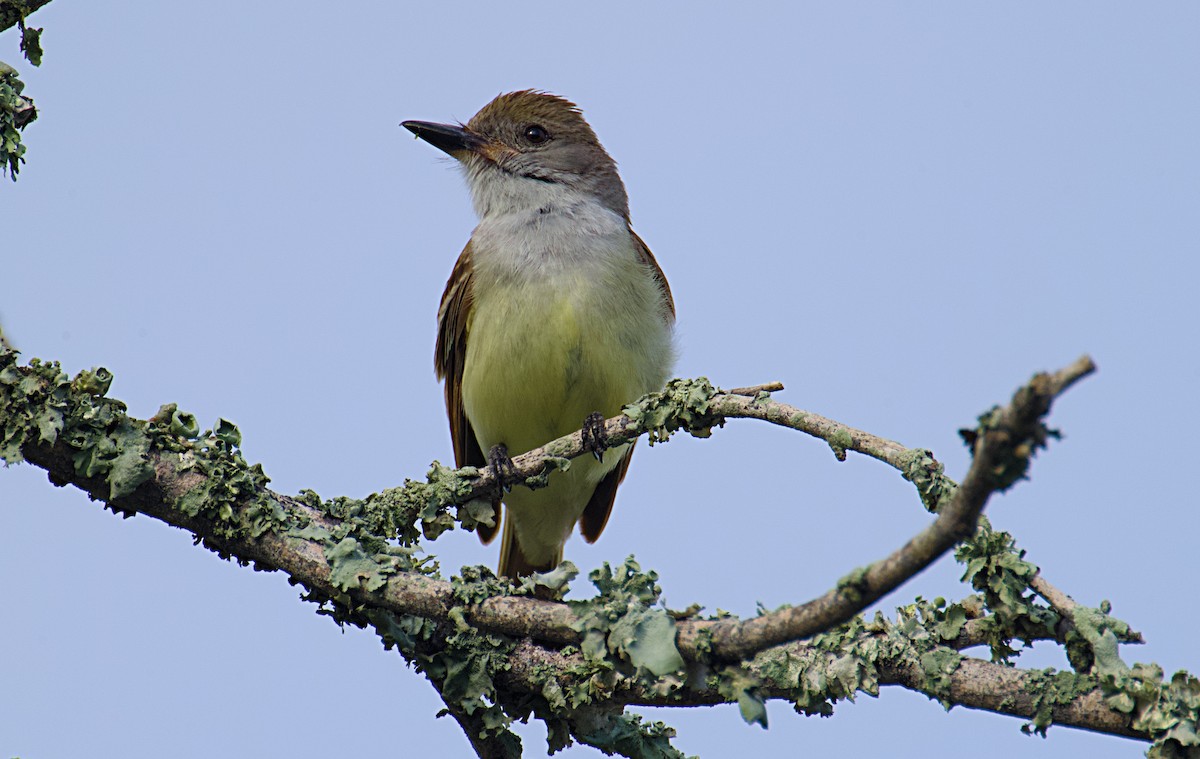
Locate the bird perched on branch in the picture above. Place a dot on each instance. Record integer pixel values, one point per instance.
(555, 316)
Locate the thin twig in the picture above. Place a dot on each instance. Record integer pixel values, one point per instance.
(753, 390)
(1059, 601)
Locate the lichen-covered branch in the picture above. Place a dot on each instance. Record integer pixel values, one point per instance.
(16, 112)
(13, 12)
(916, 651)
(175, 477)
(496, 653)
(1064, 699)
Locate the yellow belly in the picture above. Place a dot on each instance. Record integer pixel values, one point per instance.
(536, 367)
(537, 364)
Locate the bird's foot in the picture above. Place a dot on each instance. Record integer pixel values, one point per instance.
(502, 464)
(595, 437)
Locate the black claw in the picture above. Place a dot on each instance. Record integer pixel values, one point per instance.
(502, 464)
(595, 437)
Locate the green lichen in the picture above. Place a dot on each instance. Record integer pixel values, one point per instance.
(465, 663)
(1020, 445)
(854, 584)
(843, 662)
(352, 567)
(178, 423)
(31, 44)
(942, 620)
(474, 585)
(622, 620)
(682, 405)
(106, 443)
(835, 666)
(14, 13)
(553, 583)
(1168, 711)
(1093, 639)
(939, 665)
(17, 111)
(552, 464)
(627, 735)
(742, 687)
(423, 508)
(466, 669)
(624, 639)
(34, 404)
(1051, 689)
(927, 474)
(839, 441)
(999, 572)
(462, 661)
(232, 493)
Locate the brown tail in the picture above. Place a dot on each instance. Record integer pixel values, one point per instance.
(513, 563)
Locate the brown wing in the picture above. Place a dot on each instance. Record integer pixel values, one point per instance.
(646, 257)
(595, 514)
(448, 358)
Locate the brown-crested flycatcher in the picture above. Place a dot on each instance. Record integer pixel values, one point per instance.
(556, 314)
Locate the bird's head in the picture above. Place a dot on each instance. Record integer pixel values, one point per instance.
(528, 149)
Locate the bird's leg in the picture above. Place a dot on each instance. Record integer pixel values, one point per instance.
(595, 437)
(502, 464)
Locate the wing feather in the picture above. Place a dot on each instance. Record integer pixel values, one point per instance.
(449, 357)
(599, 506)
(646, 257)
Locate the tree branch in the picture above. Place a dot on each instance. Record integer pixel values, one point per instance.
(14, 11)
(485, 744)
(732, 640)
(552, 623)
(1059, 601)
(1076, 701)
(165, 469)
(1015, 427)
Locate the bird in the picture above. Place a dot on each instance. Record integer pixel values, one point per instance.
(555, 316)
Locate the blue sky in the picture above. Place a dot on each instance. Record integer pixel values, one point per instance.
(899, 211)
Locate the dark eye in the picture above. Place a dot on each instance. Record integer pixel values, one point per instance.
(536, 134)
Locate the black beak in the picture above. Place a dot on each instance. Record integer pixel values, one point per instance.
(451, 139)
